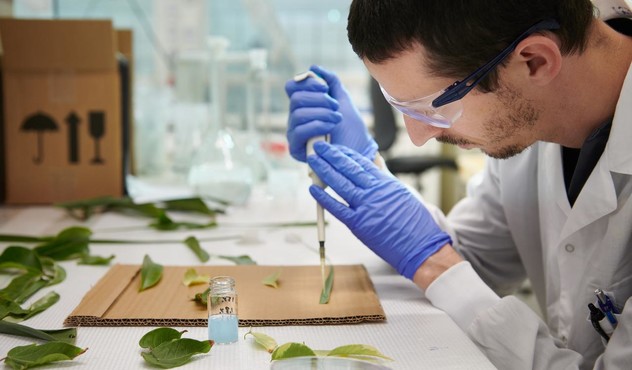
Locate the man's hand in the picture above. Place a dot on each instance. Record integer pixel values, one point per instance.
(381, 212)
(317, 109)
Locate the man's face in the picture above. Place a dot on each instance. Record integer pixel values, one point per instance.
(502, 124)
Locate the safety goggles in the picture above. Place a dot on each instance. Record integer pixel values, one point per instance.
(444, 107)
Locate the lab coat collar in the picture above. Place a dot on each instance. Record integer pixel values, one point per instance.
(598, 198)
(618, 148)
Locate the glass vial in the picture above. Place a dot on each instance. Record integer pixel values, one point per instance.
(222, 310)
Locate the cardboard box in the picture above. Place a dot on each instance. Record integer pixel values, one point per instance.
(62, 106)
(124, 39)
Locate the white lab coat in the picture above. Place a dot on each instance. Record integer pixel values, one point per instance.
(518, 223)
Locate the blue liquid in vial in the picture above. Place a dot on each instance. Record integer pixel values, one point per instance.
(223, 328)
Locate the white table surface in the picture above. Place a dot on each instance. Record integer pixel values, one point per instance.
(415, 334)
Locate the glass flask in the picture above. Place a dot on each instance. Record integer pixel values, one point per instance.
(219, 170)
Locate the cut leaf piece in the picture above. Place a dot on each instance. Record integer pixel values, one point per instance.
(272, 279)
(202, 297)
(176, 352)
(22, 287)
(195, 246)
(8, 307)
(191, 277)
(263, 340)
(158, 336)
(329, 283)
(95, 260)
(42, 304)
(62, 335)
(357, 350)
(25, 357)
(150, 273)
(239, 260)
(292, 349)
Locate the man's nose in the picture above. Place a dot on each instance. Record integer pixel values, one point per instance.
(419, 131)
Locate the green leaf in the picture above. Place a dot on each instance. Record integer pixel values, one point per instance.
(9, 307)
(176, 352)
(20, 258)
(289, 350)
(195, 246)
(239, 260)
(191, 205)
(70, 243)
(13, 309)
(329, 283)
(202, 297)
(150, 274)
(145, 209)
(158, 336)
(191, 277)
(265, 341)
(63, 335)
(165, 223)
(25, 357)
(95, 260)
(357, 350)
(84, 209)
(42, 304)
(271, 280)
(23, 286)
(57, 274)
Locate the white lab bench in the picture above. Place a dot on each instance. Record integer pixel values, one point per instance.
(415, 334)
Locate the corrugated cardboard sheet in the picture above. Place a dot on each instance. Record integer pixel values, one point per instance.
(115, 300)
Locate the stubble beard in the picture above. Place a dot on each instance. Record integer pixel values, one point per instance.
(519, 118)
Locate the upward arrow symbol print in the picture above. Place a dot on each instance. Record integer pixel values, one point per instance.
(73, 137)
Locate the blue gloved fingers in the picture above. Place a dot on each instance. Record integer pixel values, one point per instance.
(339, 210)
(336, 88)
(308, 84)
(301, 99)
(298, 136)
(329, 77)
(304, 115)
(343, 186)
(363, 161)
(344, 164)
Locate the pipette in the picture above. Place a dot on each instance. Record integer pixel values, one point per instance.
(320, 213)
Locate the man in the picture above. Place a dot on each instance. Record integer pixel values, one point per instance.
(548, 96)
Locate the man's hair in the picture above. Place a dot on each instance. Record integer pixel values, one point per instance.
(459, 36)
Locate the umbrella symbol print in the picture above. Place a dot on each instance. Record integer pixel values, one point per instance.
(39, 122)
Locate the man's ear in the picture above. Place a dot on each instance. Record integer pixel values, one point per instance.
(540, 58)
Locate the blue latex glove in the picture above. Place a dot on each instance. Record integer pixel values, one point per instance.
(317, 109)
(382, 213)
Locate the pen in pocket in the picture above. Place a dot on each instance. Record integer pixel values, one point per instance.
(596, 315)
(605, 304)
